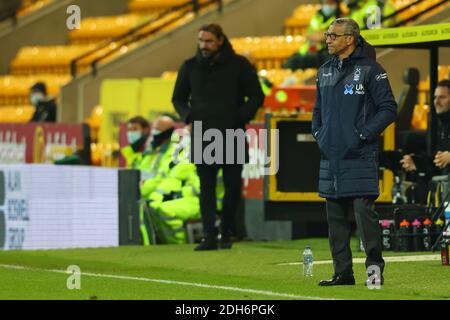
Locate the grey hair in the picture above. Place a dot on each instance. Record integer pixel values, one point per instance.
(350, 26)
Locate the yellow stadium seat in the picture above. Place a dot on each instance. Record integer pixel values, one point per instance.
(49, 59)
(153, 6)
(14, 90)
(16, 114)
(29, 6)
(96, 29)
(268, 52)
(298, 22)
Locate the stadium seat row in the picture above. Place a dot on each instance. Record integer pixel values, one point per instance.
(16, 113)
(298, 22)
(268, 52)
(155, 6)
(29, 6)
(14, 90)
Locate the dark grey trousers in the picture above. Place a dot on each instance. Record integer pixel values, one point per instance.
(339, 232)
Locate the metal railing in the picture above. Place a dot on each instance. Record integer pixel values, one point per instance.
(135, 34)
(417, 15)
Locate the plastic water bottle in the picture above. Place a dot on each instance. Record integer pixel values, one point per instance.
(308, 261)
(445, 249)
(386, 234)
(427, 234)
(417, 232)
(404, 236)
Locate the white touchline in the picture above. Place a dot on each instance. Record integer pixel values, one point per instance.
(434, 257)
(181, 283)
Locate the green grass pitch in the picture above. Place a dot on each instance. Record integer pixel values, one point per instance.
(250, 271)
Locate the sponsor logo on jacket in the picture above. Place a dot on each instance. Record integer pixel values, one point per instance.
(357, 74)
(381, 76)
(354, 89)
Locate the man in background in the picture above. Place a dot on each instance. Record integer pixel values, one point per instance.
(45, 106)
(217, 89)
(439, 164)
(138, 132)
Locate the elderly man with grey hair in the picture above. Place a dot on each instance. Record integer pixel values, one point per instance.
(354, 105)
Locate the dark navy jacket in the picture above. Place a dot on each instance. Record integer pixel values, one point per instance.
(354, 105)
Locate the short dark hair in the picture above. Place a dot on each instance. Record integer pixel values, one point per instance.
(213, 28)
(444, 83)
(350, 26)
(39, 87)
(140, 121)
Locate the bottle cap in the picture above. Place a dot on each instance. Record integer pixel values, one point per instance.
(416, 223)
(385, 223)
(427, 222)
(439, 222)
(404, 223)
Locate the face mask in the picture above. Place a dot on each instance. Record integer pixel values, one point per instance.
(36, 98)
(133, 136)
(155, 132)
(328, 10)
(161, 137)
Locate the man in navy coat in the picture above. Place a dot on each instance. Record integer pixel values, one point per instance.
(354, 106)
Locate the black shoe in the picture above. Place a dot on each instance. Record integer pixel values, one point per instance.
(338, 280)
(225, 243)
(206, 244)
(374, 281)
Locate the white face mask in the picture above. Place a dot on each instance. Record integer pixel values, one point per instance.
(35, 98)
(133, 136)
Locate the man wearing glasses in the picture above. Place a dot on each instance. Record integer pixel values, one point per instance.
(354, 105)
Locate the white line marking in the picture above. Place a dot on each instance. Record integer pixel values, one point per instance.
(387, 259)
(181, 283)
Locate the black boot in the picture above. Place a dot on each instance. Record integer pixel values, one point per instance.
(207, 244)
(225, 242)
(339, 280)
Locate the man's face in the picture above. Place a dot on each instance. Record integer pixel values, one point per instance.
(337, 42)
(134, 132)
(208, 43)
(442, 99)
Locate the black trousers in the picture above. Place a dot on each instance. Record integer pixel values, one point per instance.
(208, 199)
(367, 221)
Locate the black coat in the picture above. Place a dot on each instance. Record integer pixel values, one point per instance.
(354, 105)
(45, 112)
(223, 92)
(423, 162)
